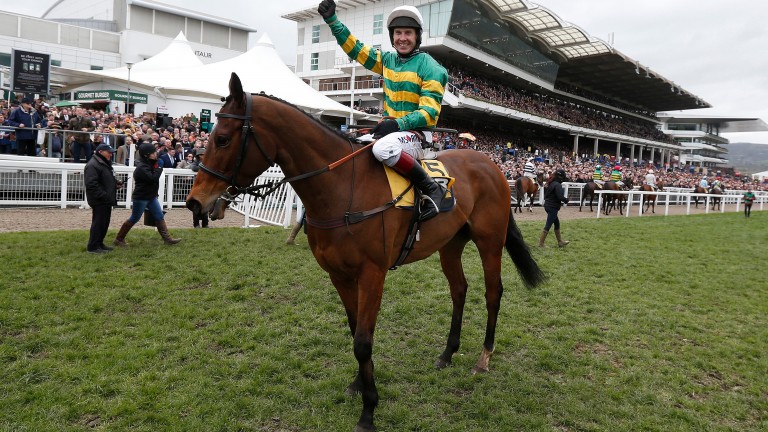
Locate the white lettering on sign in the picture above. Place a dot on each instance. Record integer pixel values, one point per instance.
(203, 54)
(93, 95)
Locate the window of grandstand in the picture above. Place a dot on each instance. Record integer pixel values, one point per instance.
(97, 67)
(55, 62)
(5, 59)
(378, 23)
(314, 61)
(480, 28)
(437, 17)
(315, 34)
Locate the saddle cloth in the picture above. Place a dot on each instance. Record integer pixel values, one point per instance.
(436, 170)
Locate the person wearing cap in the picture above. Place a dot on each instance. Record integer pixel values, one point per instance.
(101, 193)
(26, 120)
(554, 197)
(704, 183)
(650, 180)
(146, 184)
(616, 176)
(414, 84)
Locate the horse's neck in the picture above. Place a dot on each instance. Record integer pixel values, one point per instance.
(304, 146)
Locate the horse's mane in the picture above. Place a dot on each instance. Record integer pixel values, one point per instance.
(309, 116)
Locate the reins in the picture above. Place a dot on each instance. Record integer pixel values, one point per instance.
(256, 190)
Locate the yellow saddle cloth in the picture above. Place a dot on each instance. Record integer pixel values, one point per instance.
(435, 169)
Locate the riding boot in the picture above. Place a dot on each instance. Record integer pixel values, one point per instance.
(432, 193)
(543, 237)
(560, 241)
(120, 239)
(162, 228)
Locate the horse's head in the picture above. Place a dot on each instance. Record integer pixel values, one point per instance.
(233, 158)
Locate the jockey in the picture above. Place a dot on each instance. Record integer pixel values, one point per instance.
(414, 85)
(597, 176)
(650, 180)
(704, 183)
(530, 169)
(717, 184)
(616, 176)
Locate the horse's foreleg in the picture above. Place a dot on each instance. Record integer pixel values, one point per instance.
(530, 205)
(450, 261)
(347, 290)
(370, 286)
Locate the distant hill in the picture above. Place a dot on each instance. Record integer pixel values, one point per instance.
(747, 158)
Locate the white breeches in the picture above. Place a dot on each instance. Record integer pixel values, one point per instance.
(388, 148)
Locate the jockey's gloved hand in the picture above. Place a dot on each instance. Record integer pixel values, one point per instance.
(385, 128)
(327, 8)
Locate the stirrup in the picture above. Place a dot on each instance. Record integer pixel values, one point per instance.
(427, 208)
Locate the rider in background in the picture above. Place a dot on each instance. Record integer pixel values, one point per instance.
(597, 176)
(650, 180)
(414, 84)
(529, 170)
(616, 176)
(717, 184)
(704, 183)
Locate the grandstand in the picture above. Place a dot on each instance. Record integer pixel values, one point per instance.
(518, 69)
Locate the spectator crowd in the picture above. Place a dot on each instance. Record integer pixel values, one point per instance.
(74, 133)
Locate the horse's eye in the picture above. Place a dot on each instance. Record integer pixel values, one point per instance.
(222, 141)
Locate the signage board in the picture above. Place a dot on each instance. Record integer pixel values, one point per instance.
(31, 72)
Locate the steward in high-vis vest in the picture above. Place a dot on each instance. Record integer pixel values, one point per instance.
(414, 84)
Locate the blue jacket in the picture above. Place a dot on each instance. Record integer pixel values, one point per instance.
(29, 120)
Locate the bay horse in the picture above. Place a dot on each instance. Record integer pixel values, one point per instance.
(699, 190)
(716, 199)
(525, 189)
(352, 236)
(649, 200)
(615, 200)
(589, 191)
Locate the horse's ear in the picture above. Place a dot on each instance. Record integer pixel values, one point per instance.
(235, 86)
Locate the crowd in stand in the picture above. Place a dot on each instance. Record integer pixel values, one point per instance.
(550, 107)
(511, 155)
(73, 133)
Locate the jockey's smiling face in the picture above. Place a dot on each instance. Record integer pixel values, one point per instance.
(404, 39)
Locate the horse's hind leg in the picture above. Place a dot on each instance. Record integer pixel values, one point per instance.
(490, 247)
(450, 261)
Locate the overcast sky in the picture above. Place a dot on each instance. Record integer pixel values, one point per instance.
(714, 49)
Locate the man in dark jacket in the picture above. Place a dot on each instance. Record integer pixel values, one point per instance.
(26, 119)
(101, 193)
(82, 140)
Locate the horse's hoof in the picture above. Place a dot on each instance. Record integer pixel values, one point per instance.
(479, 370)
(359, 428)
(441, 364)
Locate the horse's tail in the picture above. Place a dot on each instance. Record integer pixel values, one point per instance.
(517, 249)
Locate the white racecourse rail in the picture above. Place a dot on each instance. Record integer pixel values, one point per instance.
(39, 181)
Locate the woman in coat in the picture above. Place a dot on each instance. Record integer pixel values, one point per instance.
(554, 197)
(146, 184)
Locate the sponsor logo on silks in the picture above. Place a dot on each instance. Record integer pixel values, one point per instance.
(409, 138)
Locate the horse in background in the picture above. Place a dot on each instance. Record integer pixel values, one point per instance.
(588, 190)
(615, 200)
(525, 190)
(649, 200)
(699, 190)
(716, 200)
(352, 236)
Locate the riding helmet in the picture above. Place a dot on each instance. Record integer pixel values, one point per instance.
(650, 171)
(560, 173)
(617, 167)
(408, 17)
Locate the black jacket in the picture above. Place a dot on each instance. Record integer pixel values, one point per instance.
(554, 195)
(146, 179)
(100, 182)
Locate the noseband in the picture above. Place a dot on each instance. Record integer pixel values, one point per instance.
(233, 189)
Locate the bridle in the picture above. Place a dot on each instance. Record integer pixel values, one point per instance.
(233, 190)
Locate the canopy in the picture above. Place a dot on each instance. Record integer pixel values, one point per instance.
(66, 103)
(174, 72)
(467, 135)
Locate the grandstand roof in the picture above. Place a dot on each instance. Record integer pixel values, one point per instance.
(724, 124)
(584, 61)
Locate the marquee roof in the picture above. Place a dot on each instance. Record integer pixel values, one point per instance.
(174, 72)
